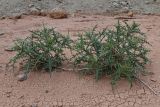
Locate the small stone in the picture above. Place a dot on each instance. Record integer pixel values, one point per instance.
(130, 14)
(153, 80)
(1, 33)
(8, 95)
(22, 77)
(22, 96)
(16, 16)
(58, 14)
(126, 9)
(43, 13)
(124, 3)
(31, 5)
(83, 16)
(9, 49)
(3, 17)
(35, 11)
(147, 2)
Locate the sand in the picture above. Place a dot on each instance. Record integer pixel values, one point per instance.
(67, 88)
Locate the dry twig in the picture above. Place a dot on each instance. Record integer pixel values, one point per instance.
(145, 84)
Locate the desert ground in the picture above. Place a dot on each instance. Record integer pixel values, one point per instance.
(12, 7)
(68, 88)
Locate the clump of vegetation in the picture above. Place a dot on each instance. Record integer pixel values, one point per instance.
(119, 52)
(44, 49)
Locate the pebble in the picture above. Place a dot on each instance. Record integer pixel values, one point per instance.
(9, 49)
(22, 77)
(124, 3)
(153, 80)
(3, 17)
(43, 13)
(31, 5)
(58, 14)
(35, 11)
(1, 33)
(16, 16)
(130, 14)
(147, 2)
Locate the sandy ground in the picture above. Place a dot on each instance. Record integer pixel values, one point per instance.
(66, 88)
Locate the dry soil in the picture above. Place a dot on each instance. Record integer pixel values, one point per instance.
(67, 88)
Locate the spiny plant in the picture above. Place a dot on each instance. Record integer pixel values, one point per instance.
(42, 49)
(119, 52)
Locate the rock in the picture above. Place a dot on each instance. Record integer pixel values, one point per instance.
(1, 33)
(16, 16)
(22, 77)
(8, 95)
(130, 14)
(124, 3)
(153, 80)
(9, 49)
(43, 13)
(35, 11)
(31, 5)
(22, 96)
(147, 2)
(58, 14)
(126, 9)
(3, 17)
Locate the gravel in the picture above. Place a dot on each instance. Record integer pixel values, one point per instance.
(10, 7)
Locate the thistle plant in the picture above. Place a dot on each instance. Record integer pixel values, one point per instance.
(119, 52)
(43, 49)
